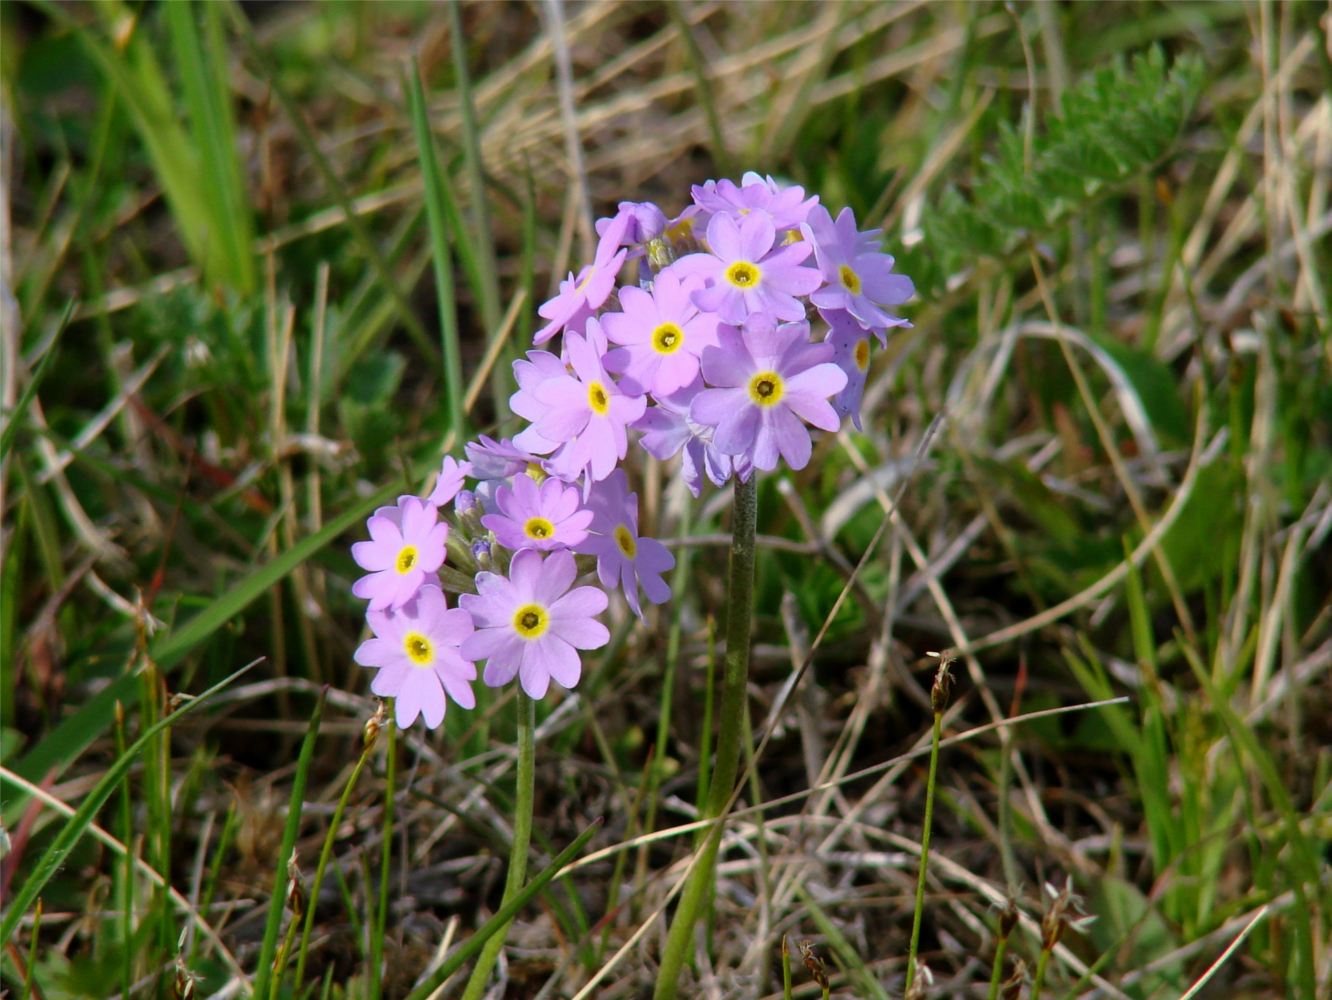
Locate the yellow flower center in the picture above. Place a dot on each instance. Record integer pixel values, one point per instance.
(766, 388)
(538, 528)
(862, 354)
(597, 399)
(850, 280)
(530, 620)
(743, 274)
(667, 338)
(625, 540)
(406, 558)
(418, 648)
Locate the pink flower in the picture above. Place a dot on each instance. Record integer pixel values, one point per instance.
(580, 297)
(786, 206)
(746, 275)
(663, 331)
(531, 625)
(416, 651)
(405, 550)
(851, 352)
(623, 557)
(587, 410)
(541, 517)
(450, 481)
(860, 279)
(770, 379)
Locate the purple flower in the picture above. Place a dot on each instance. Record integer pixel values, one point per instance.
(587, 410)
(406, 548)
(663, 332)
(746, 275)
(667, 429)
(528, 625)
(786, 206)
(450, 481)
(770, 378)
(501, 459)
(860, 280)
(541, 517)
(416, 651)
(623, 557)
(580, 297)
(851, 353)
(646, 222)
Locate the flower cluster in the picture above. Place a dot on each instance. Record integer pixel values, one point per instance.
(709, 356)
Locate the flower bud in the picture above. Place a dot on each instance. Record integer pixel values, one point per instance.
(464, 502)
(943, 687)
(1008, 919)
(295, 899)
(370, 735)
(813, 964)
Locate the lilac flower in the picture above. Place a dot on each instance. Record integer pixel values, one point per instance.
(450, 481)
(623, 557)
(528, 625)
(663, 332)
(770, 378)
(667, 429)
(746, 274)
(541, 517)
(501, 459)
(646, 222)
(580, 297)
(860, 280)
(416, 651)
(587, 410)
(851, 353)
(406, 548)
(786, 206)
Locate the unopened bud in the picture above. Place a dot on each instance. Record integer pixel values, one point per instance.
(373, 725)
(943, 687)
(464, 501)
(1011, 987)
(813, 964)
(295, 891)
(1008, 919)
(481, 553)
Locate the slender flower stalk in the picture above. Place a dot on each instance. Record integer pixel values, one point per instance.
(1008, 920)
(739, 616)
(943, 683)
(372, 728)
(385, 858)
(522, 834)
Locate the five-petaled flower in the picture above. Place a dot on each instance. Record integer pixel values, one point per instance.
(405, 550)
(623, 556)
(540, 517)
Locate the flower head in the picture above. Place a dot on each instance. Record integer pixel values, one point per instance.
(787, 207)
(623, 556)
(580, 297)
(769, 379)
(416, 651)
(860, 279)
(746, 274)
(541, 517)
(663, 332)
(406, 548)
(531, 625)
(667, 428)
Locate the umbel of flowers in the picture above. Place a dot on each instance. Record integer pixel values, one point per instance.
(750, 322)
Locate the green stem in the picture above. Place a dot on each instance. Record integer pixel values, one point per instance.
(1039, 980)
(522, 833)
(324, 856)
(739, 616)
(924, 851)
(997, 976)
(386, 856)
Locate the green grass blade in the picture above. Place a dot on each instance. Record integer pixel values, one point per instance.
(76, 733)
(14, 418)
(264, 970)
(57, 854)
(434, 183)
(501, 919)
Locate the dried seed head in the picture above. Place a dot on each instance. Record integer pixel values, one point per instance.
(1011, 987)
(295, 891)
(373, 725)
(943, 684)
(1008, 918)
(1061, 915)
(813, 964)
